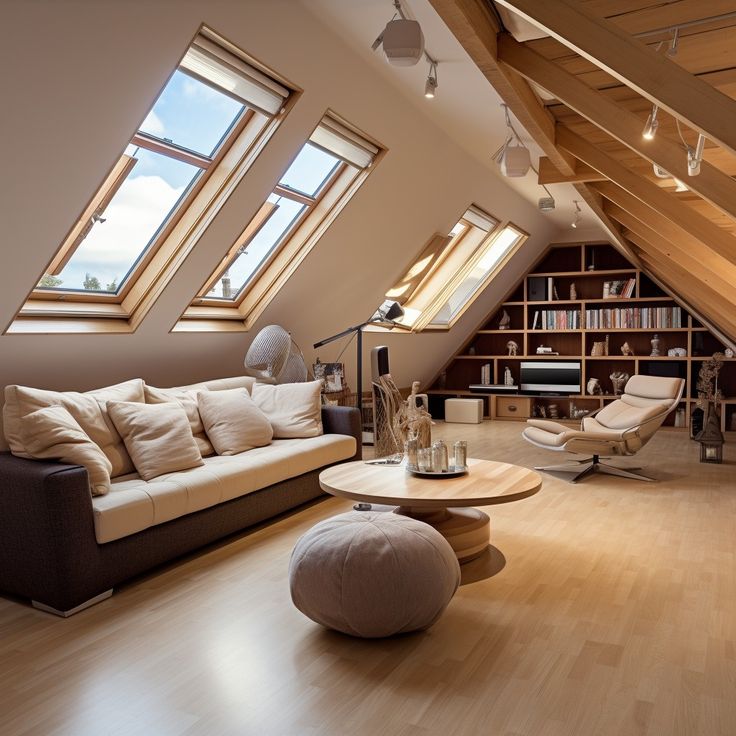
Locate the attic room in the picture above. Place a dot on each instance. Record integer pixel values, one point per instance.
(368, 367)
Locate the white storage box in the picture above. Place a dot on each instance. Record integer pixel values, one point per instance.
(464, 411)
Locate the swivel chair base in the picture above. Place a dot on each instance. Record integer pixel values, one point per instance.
(584, 468)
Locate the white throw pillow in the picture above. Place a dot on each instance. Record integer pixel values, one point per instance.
(53, 434)
(187, 399)
(293, 409)
(88, 409)
(157, 436)
(232, 421)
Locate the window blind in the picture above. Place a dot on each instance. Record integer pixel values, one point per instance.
(343, 142)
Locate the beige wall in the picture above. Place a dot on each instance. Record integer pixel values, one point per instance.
(82, 76)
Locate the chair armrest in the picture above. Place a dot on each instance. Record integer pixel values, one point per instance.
(344, 420)
(548, 425)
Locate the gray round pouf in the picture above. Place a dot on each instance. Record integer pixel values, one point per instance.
(373, 574)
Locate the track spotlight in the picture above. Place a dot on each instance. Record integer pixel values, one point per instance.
(650, 129)
(513, 159)
(430, 86)
(578, 214)
(695, 156)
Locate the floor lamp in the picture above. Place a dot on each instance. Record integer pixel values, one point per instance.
(387, 312)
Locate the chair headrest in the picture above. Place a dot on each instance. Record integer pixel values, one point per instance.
(654, 387)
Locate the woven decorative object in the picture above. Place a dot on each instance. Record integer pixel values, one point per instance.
(372, 574)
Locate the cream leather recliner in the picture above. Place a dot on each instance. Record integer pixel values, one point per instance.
(622, 427)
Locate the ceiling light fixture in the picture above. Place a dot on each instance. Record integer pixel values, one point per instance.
(430, 86)
(650, 129)
(578, 214)
(403, 44)
(695, 156)
(513, 159)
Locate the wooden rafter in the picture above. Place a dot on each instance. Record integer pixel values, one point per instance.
(713, 185)
(630, 61)
(688, 221)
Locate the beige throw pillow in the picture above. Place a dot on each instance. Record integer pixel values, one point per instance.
(187, 399)
(157, 436)
(293, 409)
(88, 409)
(232, 421)
(53, 434)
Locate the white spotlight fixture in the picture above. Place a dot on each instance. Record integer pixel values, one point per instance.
(650, 129)
(695, 156)
(578, 214)
(513, 160)
(430, 86)
(546, 204)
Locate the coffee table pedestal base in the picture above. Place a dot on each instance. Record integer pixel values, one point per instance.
(466, 529)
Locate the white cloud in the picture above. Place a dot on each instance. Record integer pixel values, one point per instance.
(132, 218)
(154, 125)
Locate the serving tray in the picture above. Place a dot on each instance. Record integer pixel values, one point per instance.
(431, 474)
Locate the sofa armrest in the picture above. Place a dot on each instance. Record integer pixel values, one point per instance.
(344, 420)
(46, 527)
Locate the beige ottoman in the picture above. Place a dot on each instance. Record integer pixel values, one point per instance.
(373, 574)
(464, 411)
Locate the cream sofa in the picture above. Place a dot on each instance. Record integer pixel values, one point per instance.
(63, 548)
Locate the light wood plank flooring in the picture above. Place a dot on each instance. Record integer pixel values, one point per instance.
(615, 614)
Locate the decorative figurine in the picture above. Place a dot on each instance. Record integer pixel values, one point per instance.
(505, 321)
(599, 348)
(508, 379)
(471, 350)
(655, 347)
(513, 347)
(728, 352)
(618, 379)
(594, 387)
(552, 411)
(626, 350)
(573, 292)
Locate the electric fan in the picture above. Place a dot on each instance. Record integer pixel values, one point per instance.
(273, 357)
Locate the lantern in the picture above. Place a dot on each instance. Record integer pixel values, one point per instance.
(711, 439)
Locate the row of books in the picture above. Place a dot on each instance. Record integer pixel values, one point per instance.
(621, 289)
(633, 318)
(557, 319)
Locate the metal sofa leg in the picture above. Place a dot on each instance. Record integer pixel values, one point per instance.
(76, 609)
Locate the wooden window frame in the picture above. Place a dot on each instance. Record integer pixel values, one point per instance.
(47, 312)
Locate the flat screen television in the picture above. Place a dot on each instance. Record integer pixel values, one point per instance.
(550, 377)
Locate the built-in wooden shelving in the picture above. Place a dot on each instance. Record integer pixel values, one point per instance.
(588, 267)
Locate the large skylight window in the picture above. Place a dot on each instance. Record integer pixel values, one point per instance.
(194, 145)
(323, 176)
(478, 276)
(444, 271)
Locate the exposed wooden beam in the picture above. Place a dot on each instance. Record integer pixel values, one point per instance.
(712, 184)
(475, 27)
(630, 61)
(714, 239)
(550, 174)
(666, 249)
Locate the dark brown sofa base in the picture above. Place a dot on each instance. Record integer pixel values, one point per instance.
(48, 550)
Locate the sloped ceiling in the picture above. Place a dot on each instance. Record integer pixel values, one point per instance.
(602, 65)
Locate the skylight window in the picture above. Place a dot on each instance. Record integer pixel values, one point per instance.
(478, 276)
(217, 108)
(445, 272)
(324, 174)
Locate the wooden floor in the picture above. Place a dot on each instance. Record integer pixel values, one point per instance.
(615, 614)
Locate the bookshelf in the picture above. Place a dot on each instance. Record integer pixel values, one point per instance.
(579, 275)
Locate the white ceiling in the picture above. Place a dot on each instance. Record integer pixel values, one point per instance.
(466, 106)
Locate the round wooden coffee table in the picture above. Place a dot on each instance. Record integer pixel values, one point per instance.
(444, 503)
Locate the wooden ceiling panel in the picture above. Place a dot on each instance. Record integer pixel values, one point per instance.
(604, 84)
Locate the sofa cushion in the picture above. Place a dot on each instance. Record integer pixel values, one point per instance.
(88, 409)
(157, 436)
(221, 384)
(294, 409)
(53, 434)
(133, 504)
(187, 399)
(232, 421)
